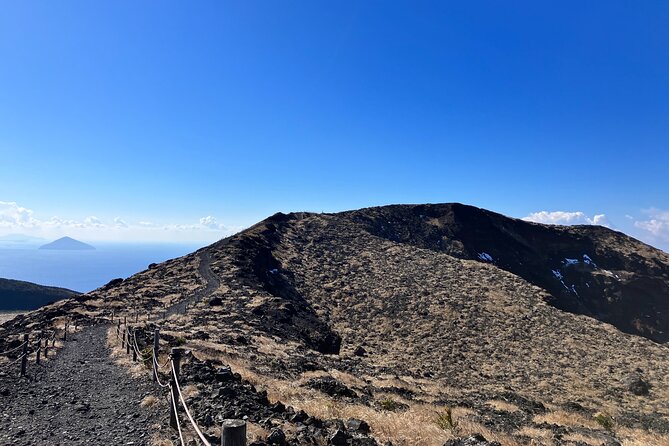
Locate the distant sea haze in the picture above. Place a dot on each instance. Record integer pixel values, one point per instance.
(84, 270)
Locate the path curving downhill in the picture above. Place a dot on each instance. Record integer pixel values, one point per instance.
(212, 282)
(82, 397)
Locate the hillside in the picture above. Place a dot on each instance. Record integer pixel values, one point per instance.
(531, 334)
(19, 295)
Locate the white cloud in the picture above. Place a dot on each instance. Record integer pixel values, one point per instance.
(13, 215)
(209, 222)
(120, 223)
(656, 226)
(15, 218)
(93, 221)
(567, 218)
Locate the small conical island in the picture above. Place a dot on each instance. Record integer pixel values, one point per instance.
(67, 243)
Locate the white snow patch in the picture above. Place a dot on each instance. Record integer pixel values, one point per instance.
(588, 260)
(485, 257)
(273, 271)
(557, 274)
(570, 262)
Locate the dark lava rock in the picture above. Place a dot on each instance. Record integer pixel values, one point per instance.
(331, 386)
(472, 440)
(355, 425)
(215, 302)
(360, 351)
(330, 344)
(224, 374)
(278, 407)
(113, 283)
(339, 438)
(637, 386)
(277, 437)
(299, 417)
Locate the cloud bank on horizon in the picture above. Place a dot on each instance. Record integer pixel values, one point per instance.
(653, 229)
(567, 218)
(18, 219)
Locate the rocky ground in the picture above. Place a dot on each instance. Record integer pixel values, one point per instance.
(79, 397)
(372, 328)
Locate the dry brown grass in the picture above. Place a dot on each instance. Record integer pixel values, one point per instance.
(149, 401)
(134, 369)
(637, 437)
(503, 405)
(564, 418)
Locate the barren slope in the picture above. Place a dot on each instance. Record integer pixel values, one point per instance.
(394, 314)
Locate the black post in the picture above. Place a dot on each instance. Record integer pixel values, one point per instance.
(24, 359)
(233, 433)
(156, 346)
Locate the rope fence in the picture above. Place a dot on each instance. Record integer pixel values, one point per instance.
(233, 432)
(29, 346)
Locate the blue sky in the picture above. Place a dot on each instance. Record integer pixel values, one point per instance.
(180, 121)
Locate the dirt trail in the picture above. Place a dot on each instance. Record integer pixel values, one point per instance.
(212, 284)
(80, 398)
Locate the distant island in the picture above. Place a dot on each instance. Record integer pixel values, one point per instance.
(67, 243)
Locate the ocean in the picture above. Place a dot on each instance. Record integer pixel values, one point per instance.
(84, 270)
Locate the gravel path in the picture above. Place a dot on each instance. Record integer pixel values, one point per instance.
(212, 284)
(80, 398)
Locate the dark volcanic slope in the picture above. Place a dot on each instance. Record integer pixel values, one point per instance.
(19, 295)
(436, 305)
(588, 270)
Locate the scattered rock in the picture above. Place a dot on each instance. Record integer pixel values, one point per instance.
(472, 440)
(215, 302)
(331, 386)
(356, 425)
(277, 437)
(637, 385)
(360, 351)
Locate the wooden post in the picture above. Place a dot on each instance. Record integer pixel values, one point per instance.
(118, 329)
(24, 360)
(175, 357)
(156, 346)
(127, 341)
(39, 350)
(123, 343)
(67, 324)
(46, 348)
(233, 433)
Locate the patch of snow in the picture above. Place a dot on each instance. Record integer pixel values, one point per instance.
(557, 274)
(587, 284)
(570, 261)
(273, 271)
(588, 260)
(485, 257)
(573, 289)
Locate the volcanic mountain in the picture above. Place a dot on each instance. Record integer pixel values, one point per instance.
(67, 244)
(398, 314)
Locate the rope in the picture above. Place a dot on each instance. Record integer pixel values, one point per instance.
(176, 416)
(13, 350)
(155, 371)
(135, 347)
(16, 360)
(183, 403)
